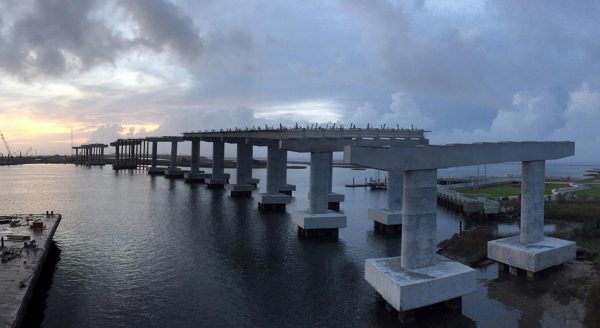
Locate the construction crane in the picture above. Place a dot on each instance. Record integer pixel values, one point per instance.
(6, 144)
(28, 151)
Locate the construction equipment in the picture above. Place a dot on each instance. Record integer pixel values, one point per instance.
(28, 151)
(6, 144)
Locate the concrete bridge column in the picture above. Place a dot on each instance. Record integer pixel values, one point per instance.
(244, 164)
(320, 181)
(195, 156)
(195, 175)
(243, 172)
(419, 277)
(173, 171)
(333, 199)
(419, 216)
(153, 160)
(87, 156)
(532, 202)
(117, 156)
(131, 163)
(389, 220)
(531, 251)
(217, 179)
(102, 155)
(276, 165)
(284, 187)
(319, 220)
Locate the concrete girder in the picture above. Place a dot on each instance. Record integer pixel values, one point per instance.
(331, 145)
(445, 156)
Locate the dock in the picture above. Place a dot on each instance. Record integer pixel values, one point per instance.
(26, 242)
(467, 205)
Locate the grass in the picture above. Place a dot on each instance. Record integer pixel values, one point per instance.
(572, 210)
(506, 190)
(594, 191)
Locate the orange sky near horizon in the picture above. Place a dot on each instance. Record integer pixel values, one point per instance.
(23, 131)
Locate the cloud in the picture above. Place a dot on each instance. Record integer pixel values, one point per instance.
(162, 24)
(57, 37)
(581, 122)
(53, 37)
(404, 112)
(470, 71)
(531, 116)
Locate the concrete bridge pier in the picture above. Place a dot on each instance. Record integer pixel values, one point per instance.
(244, 182)
(419, 277)
(132, 155)
(117, 156)
(319, 220)
(217, 179)
(284, 187)
(389, 220)
(531, 251)
(153, 169)
(195, 175)
(76, 158)
(173, 171)
(273, 199)
(333, 199)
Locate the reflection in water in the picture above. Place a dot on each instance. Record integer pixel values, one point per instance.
(148, 251)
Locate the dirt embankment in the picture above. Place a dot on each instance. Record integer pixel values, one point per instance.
(568, 295)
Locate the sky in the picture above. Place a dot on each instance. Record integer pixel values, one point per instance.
(466, 70)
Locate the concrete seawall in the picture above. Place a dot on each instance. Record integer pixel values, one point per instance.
(20, 271)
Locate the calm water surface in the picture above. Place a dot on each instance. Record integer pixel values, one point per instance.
(150, 252)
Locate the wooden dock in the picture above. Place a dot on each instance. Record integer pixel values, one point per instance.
(467, 205)
(27, 239)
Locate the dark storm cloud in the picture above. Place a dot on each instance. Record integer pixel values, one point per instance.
(506, 58)
(162, 24)
(56, 37)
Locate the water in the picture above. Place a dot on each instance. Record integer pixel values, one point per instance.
(150, 252)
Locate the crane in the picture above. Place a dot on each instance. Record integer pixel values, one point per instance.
(28, 151)
(5, 144)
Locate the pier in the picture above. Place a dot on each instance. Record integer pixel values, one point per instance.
(419, 277)
(322, 218)
(26, 240)
(89, 154)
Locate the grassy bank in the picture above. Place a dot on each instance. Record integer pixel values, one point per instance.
(594, 191)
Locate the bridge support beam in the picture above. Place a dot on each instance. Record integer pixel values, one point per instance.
(195, 175)
(276, 165)
(419, 277)
(173, 171)
(244, 183)
(319, 220)
(531, 251)
(390, 219)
